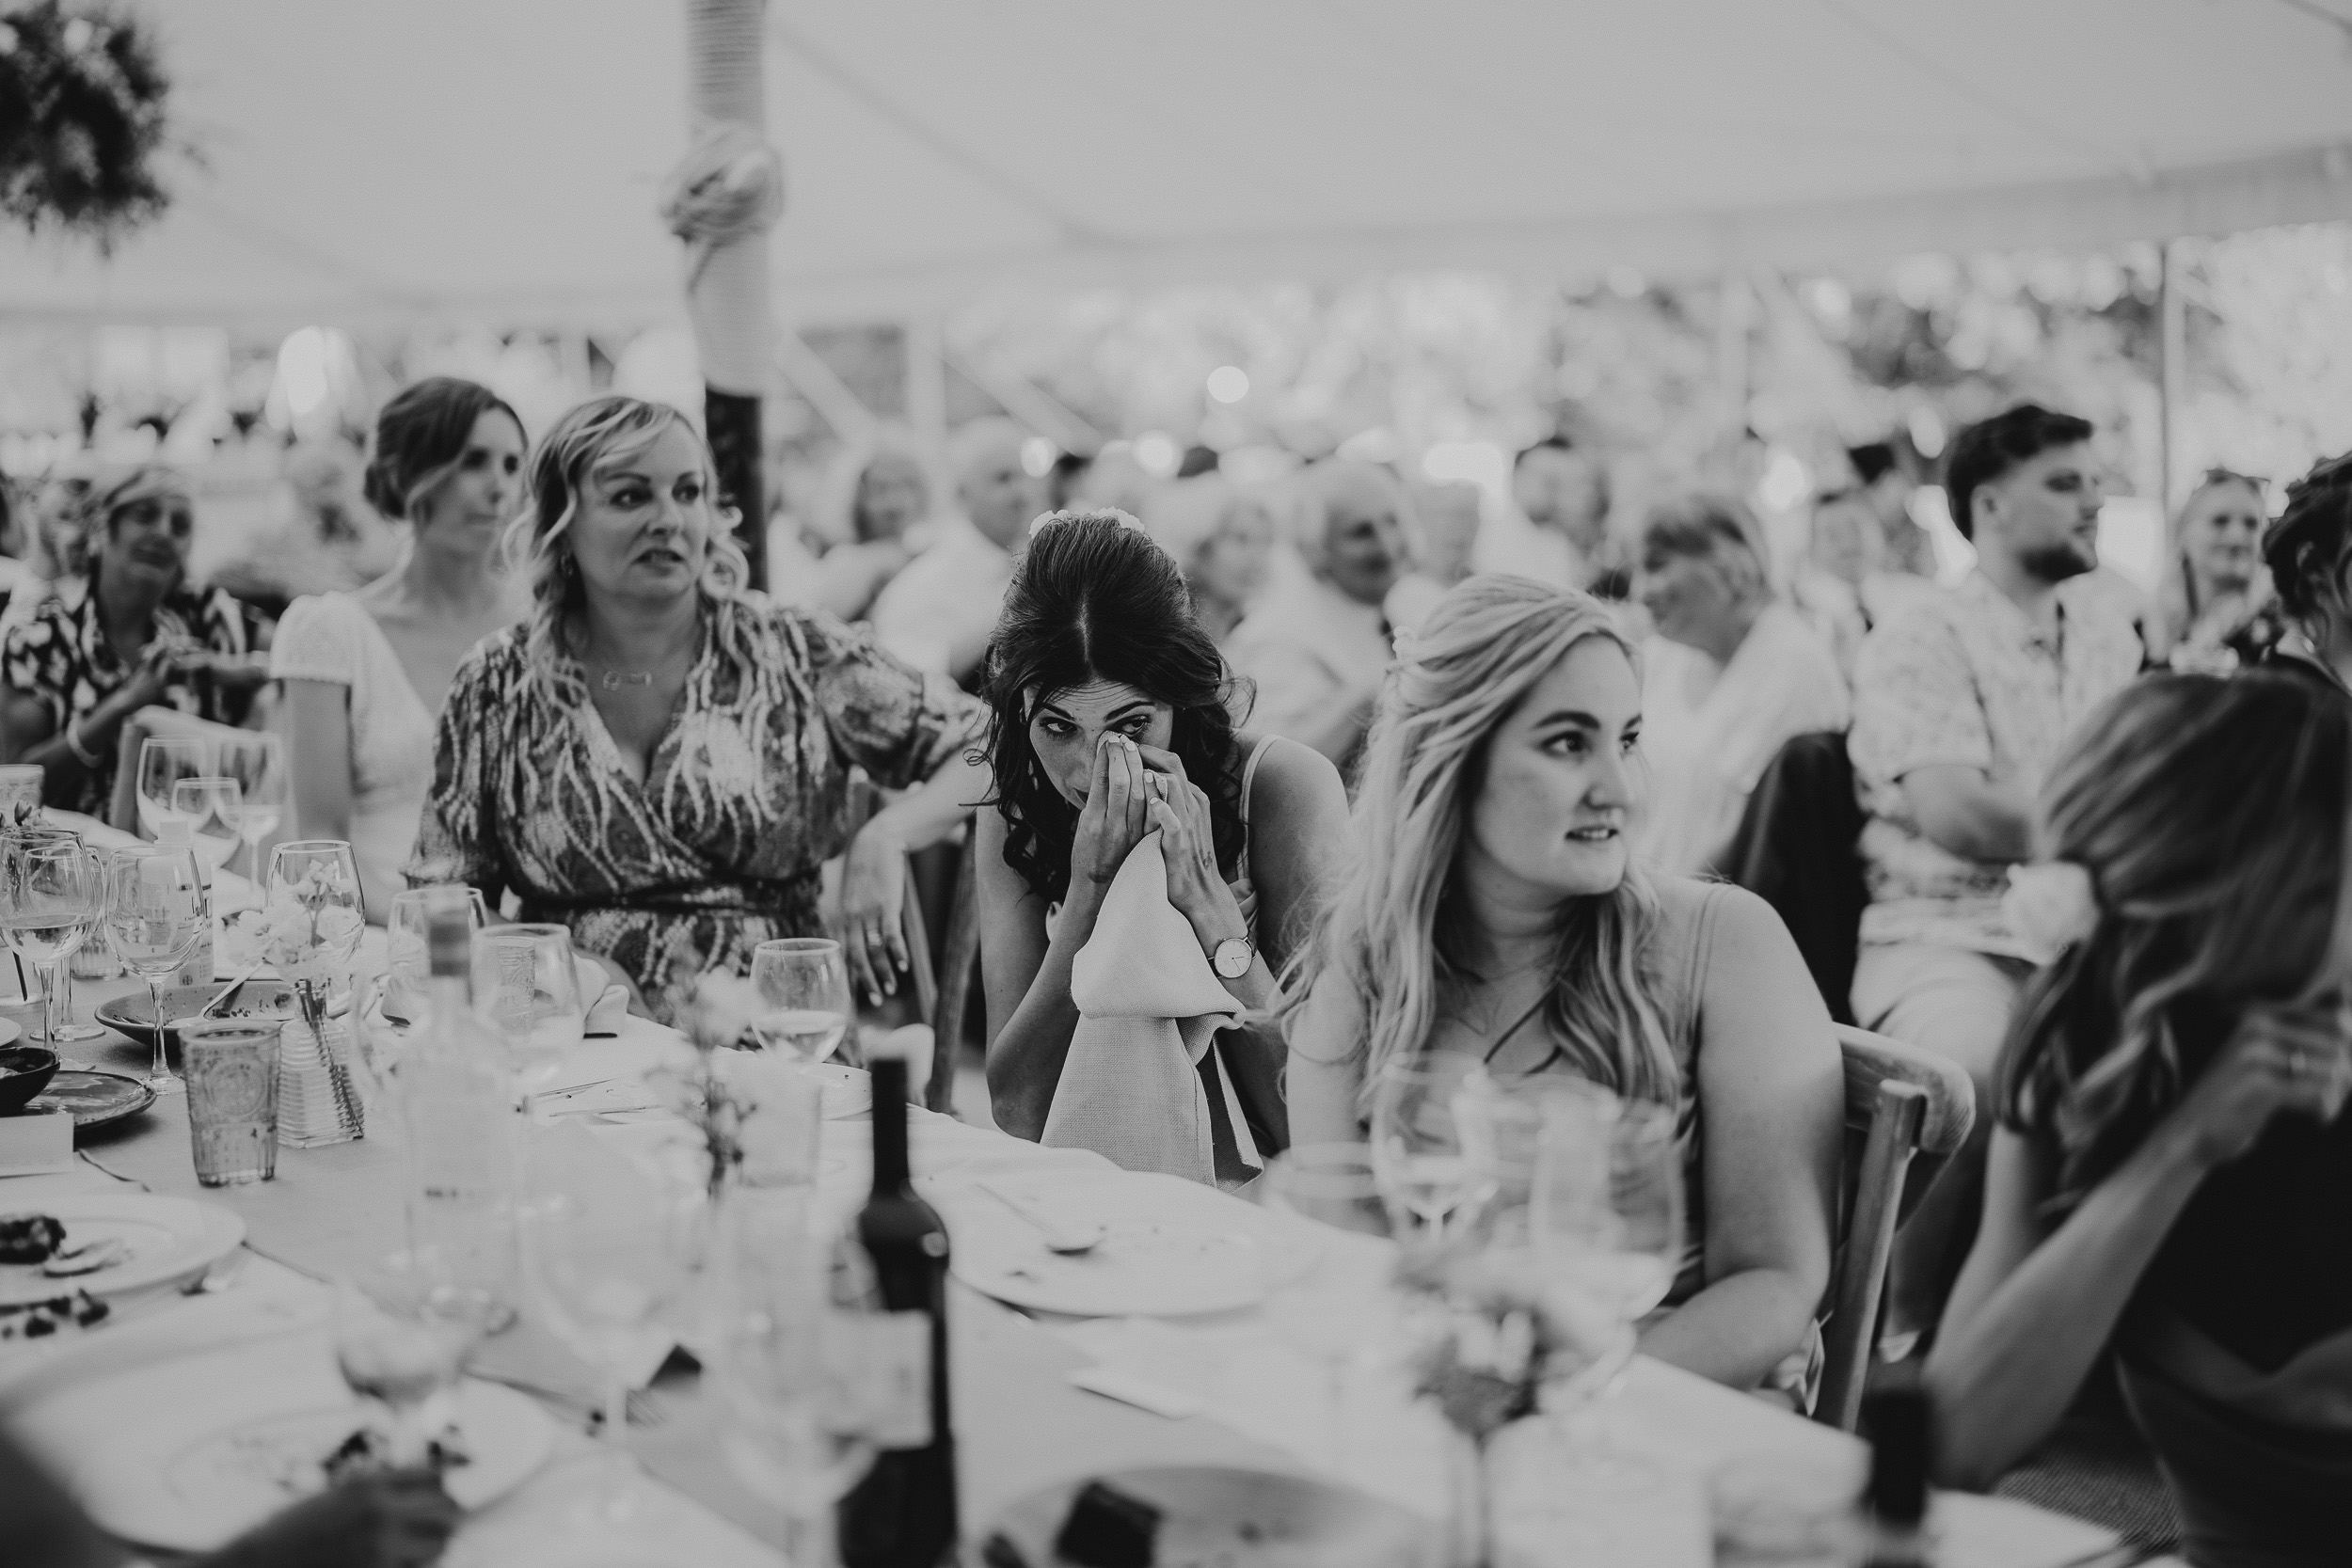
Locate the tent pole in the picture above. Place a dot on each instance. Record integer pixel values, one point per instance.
(727, 291)
(2172, 376)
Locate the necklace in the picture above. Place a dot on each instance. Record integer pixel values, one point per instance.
(616, 679)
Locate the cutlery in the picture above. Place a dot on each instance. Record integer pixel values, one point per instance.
(1069, 1239)
(90, 1256)
(229, 991)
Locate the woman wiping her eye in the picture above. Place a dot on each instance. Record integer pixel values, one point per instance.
(1111, 721)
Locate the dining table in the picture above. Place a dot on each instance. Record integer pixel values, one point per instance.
(1040, 1398)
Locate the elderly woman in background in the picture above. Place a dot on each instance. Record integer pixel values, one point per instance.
(365, 673)
(123, 629)
(1319, 641)
(1730, 676)
(324, 542)
(2221, 613)
(661, 760)
(1222, 538)
(870, 522)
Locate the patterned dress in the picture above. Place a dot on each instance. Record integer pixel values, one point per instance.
(748, 792)
(60, 655)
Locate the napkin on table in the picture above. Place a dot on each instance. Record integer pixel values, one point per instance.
(1149, 1009)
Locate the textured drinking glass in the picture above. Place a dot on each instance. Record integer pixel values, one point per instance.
(803, 987)
(231, 1069)
(405, 945)
(20, 789)
(525, 983)
(164, 761)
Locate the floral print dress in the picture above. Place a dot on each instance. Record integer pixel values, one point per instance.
(60, 655)
(747, 794)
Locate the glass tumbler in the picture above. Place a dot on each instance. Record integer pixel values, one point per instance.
(20, 789)
(232, 1070)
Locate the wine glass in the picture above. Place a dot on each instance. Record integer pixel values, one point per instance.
(804, 987)
(49, 899)
(156, 914)
(257, 762)
(603, 1269)
(401, 1340)
(527, 984)
(315, 921)
(164, 761)
(213, 808)
(406, 932)
(1330, 1313)
(1417, 1156)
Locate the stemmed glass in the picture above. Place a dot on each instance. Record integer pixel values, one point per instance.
(526, 985)
(314, 925)
(50, 897)
(804, 987)
(257, 762)
(605, 1268)
(1419, 1160)
(405, 933)
(1330, 1314)
(164, 761)
(213, 808)
(401, 1340)
(156, 914)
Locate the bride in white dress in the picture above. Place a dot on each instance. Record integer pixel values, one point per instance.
(365, 672)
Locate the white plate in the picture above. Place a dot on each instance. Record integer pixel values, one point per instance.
(848, 1092)
(170, 1240)
(1213, 1517)
(10, 1031)
(196, 1451)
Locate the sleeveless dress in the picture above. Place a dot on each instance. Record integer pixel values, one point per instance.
(1239, 1148)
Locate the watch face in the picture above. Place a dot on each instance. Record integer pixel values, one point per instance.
(1232, 959)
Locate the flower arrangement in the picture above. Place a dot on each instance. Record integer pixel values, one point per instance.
(715, 1015)
(82, 100)
(308, 929)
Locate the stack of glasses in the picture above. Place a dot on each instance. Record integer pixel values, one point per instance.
(317, 1104)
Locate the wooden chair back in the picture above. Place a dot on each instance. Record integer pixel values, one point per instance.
(1907, 1111)
(942, 995)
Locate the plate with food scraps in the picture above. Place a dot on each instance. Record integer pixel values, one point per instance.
(1208, 1516)
(1141, 1267)
(204, 1448)
(93, 1098)
(133, 1015)
(110, 1243)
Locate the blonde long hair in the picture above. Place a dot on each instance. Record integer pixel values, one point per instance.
(590, 437)
(1393, 927)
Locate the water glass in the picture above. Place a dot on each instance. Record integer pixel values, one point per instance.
(56, 1023)
(603, 1272)
(20, 790)
(1328, 1183)
(526, 984)
(803, 987)
(1330, 1313)
(231, 1069)
(49, 899)
(214, 809)
(405, 933)
(155, 912)
(164, 761)
(315, 914)
(1429, 1179)
(401, 1340)
(257, 760)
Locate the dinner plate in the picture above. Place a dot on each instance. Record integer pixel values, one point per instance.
(219, 1444)
(166, 1241)
(93, 1098)
(1215, 1517)
(133, 1015)
(10, 1031)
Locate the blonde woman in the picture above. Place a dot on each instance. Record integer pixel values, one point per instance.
(2171, 1174)
(1492, 913)
(2219, 611)
(661, 759)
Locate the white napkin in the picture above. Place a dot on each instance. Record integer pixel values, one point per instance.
(1149, 1007)
(605, 1013)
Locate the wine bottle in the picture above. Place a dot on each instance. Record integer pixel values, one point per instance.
(1896, 1416)
(902, 1513)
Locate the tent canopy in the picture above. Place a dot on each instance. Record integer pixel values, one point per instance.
(500, 159)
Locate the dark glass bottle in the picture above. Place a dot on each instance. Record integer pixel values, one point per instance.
(902, 1514)
(1895, 1417)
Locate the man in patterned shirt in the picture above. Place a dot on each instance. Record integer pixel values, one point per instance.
(1961, 704)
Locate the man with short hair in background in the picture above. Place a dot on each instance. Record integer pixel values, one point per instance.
(1561, 533)
(939, 613)
(1961, 704)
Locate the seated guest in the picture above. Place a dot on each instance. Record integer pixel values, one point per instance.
(2218, 612)
(325, 541)
(1730, 676)
(937, 612)
(365, 673)
(661, 760)
(1559, 533)
(1885, 487)
(123, 629)
(2172, 1177)
(1222, 538)
(1845, 585)
(874, 518)
(1493, 912)
(2305, 552)
(1318, 644)
(1450, 518)
(1101, 681)
(1959, 706)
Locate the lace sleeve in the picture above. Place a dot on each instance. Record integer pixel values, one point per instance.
(314, 642)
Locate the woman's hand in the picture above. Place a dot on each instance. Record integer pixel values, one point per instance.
(399, 1519)
(873, 910)
(1113, 819)
(1180, 810)
(2282, 1059)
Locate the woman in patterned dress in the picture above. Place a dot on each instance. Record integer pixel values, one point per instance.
(660, 758)
(123, 631)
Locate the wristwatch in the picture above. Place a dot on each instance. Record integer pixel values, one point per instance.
(1232, 958)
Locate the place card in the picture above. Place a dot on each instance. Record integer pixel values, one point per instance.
(35, 1143)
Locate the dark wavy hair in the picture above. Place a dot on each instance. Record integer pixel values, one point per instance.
(1093, 598)
(1991, 448)
(2305, 548)
(420, 435)
(2210, 815)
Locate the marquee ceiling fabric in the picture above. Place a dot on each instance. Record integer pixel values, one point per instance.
(500, 159)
